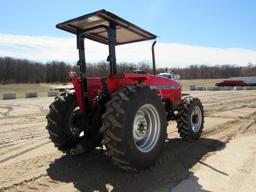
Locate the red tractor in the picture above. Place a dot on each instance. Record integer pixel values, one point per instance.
(127, 113)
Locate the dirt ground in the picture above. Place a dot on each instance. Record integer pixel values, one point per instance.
(222, 160)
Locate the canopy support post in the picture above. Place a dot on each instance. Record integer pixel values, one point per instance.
(112, 47)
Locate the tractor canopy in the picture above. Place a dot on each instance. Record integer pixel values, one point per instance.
(95, 26)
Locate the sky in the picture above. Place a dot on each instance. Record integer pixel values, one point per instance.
(190, 31)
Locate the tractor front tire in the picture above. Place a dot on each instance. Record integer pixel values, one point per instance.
(190, 119)
(134, 127)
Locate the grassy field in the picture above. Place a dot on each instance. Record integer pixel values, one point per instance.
(21, 89)
(198, 82)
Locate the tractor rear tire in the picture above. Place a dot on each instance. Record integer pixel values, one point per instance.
(134, 127)
(59, 125)
(190, 119)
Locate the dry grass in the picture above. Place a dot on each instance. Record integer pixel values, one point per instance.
(198, 82)
(21, 89)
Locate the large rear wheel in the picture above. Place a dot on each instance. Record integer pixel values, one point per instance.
(134, 127)
(66, 126)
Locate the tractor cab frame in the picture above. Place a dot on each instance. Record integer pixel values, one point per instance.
(106, 28)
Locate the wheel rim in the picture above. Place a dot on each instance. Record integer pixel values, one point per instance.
(75, 122)
(146, 128)
(196, 119)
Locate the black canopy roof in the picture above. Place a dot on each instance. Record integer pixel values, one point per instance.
(94, 27)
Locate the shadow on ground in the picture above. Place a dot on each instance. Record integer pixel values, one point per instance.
(95, 173)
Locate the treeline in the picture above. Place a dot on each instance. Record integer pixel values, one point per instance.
(25, 71)
(214, 72)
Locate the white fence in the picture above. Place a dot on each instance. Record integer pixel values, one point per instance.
(29, 94)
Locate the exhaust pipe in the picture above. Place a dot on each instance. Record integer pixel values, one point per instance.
(153, 57)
